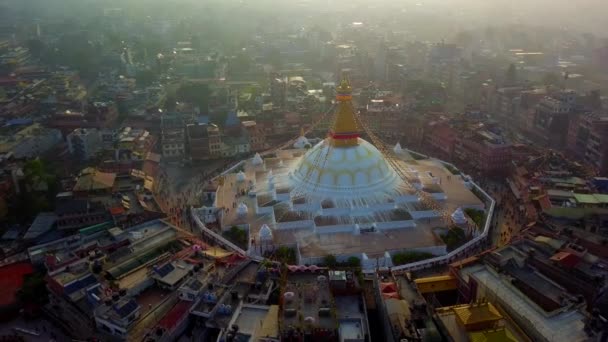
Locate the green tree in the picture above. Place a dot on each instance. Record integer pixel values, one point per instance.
(409, 257)
(476, 215)
(286, 255)
(511, 75)
(36, 47)
(38, 176)
(330, 260)
(354, 262)
(274, 58)
(33, 291)
(551, 78)
(195, 93)
(454, 238)
(145, 77)
(237, 235)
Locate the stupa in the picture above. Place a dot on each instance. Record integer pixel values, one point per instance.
(398, 149)
(242, 209)
(458, 216)
(343, 164)
(302, 141)
(240, 177)
(265, 233)
(342, 196)
(257, 159)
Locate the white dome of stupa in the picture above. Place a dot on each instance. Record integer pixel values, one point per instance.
(265, 233)
(242, 209)
(240, 177)
(458, 216)
(257, 159)
(343, 165)
(343, 171)
(397, 149)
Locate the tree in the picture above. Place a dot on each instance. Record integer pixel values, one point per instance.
(274, 58)
(551, 78)
(454, 238)
(237, 235)
(36, 47)
(286, 255)
(33, 291)
(511, 75)
(195, 93)
(354, 262)
(409, 257)
(145, 77)
(330, 260)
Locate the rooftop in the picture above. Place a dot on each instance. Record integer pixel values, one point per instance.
(563, 326)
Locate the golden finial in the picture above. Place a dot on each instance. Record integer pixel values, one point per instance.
(345, 131)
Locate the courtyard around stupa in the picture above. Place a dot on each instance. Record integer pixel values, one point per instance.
(316, 228)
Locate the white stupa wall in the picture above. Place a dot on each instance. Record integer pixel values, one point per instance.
(303, 224)
(282, 197)
(382, 207)
(263, 210)
(424, 214)
(396, 225)
(406, 199)
(313, 208)
(337, 228)
(336, 211)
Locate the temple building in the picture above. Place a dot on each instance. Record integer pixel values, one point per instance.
(341, 196)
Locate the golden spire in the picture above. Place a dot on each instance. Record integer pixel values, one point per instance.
(345, 131)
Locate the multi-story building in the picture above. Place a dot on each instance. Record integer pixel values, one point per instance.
(551, 119)
(98, 115)
(441, 137)
(278, 91)
(136, 140)
(443, 63)
(14, 58)
(384, 117)
(204, 141)
(506, 102)
(83, 143)
(257, 138)
(484, 150)
(173, 134)
(588, 140)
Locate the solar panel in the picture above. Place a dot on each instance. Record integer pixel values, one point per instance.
(88, 281)
(80, 284)
(71, 288)
(126, 309)
(166, 269)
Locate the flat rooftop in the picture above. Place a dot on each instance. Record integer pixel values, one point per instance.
(564, 326)
(250, 319)
(307, 301)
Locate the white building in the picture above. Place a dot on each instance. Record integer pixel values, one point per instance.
(83, 143)
(116, 318)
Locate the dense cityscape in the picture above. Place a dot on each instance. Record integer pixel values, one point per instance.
(351, 171)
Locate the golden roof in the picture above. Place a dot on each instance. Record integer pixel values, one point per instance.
(270, 325)
(92, 179)
(345, 131)
(477, 313)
